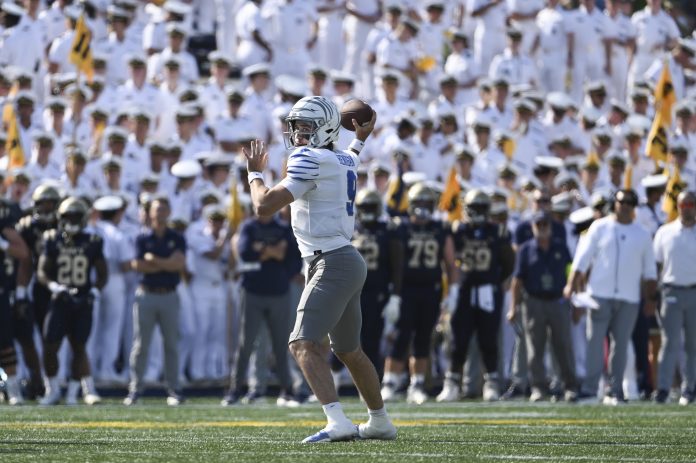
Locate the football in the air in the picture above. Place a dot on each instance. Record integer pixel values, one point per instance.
(355, 109)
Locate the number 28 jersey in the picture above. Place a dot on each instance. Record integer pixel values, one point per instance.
(323, 183)
(73, 258)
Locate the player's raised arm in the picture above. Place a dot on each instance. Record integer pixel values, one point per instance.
(266, 201)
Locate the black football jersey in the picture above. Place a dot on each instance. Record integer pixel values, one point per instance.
(9, 214)
(32, 232)
(373, 244)
(74, 257)
(479, 249)
(424, 248)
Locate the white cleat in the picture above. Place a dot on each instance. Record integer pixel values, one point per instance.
(89, 392)
(450, 392)
(333, 433)
(388, 393)
(384, 431)
(14, 392)
(416, 395)
(490, 391)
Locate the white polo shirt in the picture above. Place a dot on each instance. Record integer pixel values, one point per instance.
(675, 249)
(621, 256)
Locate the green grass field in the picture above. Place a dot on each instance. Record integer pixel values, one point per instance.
(202, 431)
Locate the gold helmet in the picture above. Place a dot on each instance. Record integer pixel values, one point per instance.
(422, 201)
(369, 205)
(72, 215)
(477, 205)
(45, 198)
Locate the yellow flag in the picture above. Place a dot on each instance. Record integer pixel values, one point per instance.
(425, 63)
(397, 199)
(81, 49)
(13, 145)
(628, 176)
(449, 200)
(657, 143)
(235, 214)
(674, 187)
(508, 147)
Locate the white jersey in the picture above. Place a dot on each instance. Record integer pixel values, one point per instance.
(323, 183)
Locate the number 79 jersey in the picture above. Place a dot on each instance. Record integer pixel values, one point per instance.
(323, 183)
(73, 258)
(424, 250)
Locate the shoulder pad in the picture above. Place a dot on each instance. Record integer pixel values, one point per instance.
(24, 222)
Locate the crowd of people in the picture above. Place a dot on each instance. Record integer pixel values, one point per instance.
(510, 145)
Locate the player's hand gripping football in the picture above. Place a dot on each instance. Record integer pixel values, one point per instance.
(257, 156)
(364, 131)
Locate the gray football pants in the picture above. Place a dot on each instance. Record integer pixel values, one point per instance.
(616, 318)
(678, 312)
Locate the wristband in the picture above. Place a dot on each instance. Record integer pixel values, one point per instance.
(356, 145)
(251, 176)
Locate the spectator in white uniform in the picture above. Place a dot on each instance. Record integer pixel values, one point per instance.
(213, 92)
(176, 33)
(210, 250)
(253, 42)
(553, 47)
(489, 32)
(516, 66)
(105, 340)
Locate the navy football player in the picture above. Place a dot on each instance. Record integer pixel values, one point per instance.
(12, 250)
(486, 259)
(69, 258)
(45, 199)
(429, 250)
(381, 245)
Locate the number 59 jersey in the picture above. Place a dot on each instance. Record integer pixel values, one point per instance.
(482, 252)
(424, 249)
(73, 258)
(323, 183)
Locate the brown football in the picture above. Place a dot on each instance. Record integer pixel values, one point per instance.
(355, 109)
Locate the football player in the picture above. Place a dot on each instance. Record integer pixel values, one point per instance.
(429, 250)
(70, 256)
(12, 249)
(45, 199)
(381, 245)
(474, 301)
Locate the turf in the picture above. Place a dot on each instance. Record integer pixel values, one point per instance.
(202, 431)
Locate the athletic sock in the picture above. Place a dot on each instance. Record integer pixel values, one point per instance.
(417, 380)
(377, 417)
(390, 379)
(334, 413)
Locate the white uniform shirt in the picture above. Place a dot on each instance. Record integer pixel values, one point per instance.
(675, 249)
(554, 28)
(203, 268)
(59, 53)
(518, 69)
(652, 32)
(214, 100)
(117, 248)
(53, 22)
(650, 218)
(324, 184)
(188, 70)
(621, 256)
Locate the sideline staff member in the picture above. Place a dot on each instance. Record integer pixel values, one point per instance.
(160, 257)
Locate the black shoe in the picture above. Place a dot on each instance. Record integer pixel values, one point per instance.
(660, 396)
(174, 398)
(231, 398)
(131, 399)
(514, 392)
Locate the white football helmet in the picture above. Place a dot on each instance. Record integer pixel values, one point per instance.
(322, 114)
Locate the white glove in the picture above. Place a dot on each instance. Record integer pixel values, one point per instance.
(95, 292)
(57, 288)
(452, 299)
(4, 244)
(392, 310)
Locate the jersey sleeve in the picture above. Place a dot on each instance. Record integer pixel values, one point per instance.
(302, 171)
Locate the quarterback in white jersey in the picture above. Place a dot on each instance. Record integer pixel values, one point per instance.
(321, 185)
